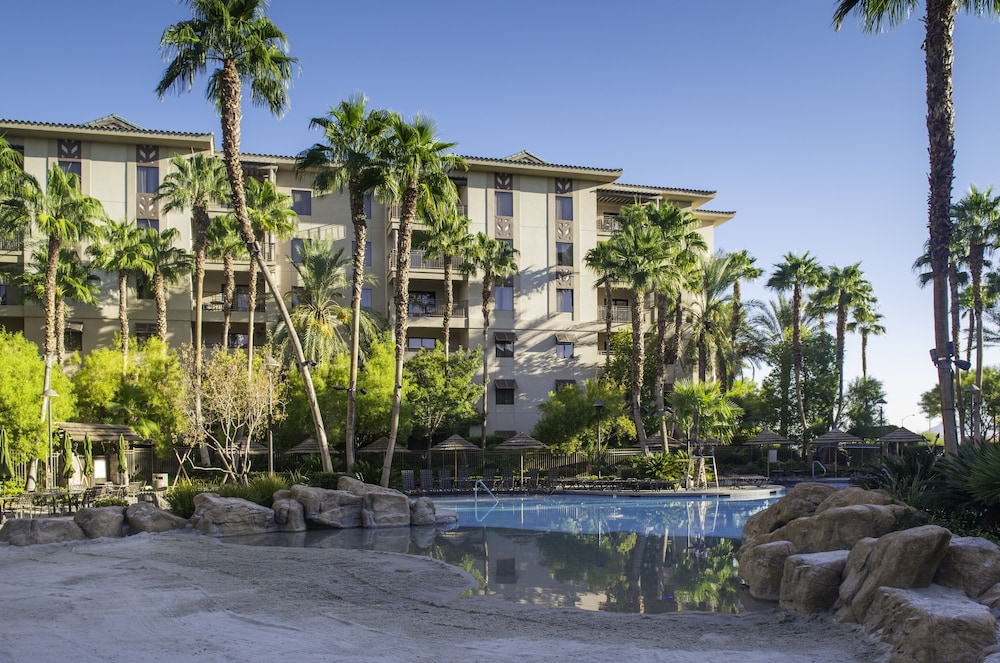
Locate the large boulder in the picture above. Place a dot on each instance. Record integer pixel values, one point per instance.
(29, 531)
(801, 500)
(853, 495)
(422, 511)
(905, 559)
(144, 517)
(762, 568)
(329, 508)
(972, 564)
(104, 521)
(289, 515)
(385, 509)
(445, 516)
(931, 624)
(230, 516)
(810, 583)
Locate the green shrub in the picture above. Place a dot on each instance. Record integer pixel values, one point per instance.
(112, 500)
(326, 480)
(180, 497)
(259, 490)
(660, 467)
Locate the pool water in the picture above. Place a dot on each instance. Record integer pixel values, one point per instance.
(610, 553)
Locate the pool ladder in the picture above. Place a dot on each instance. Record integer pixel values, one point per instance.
(475, 490)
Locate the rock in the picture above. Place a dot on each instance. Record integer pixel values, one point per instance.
(991, 599)
(905, 559)
(422, 511)
(289, 515)
(99, 522)
(143, 517)
(810, 583)
(763, 566)
(423, 537)
(328, 508)
(972, 564)
(385, 508)
(31, 531)
(230, 516)
(801, 500)
(445, 516)
(840, 528)
(386, 539)
(931, 624)
(853, 495)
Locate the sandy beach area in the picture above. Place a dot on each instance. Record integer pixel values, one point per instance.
(183, 596)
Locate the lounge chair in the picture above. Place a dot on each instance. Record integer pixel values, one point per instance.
(551, 479)
(409, 485)
(463, 483)
(427, 481)
(507, 480)
(531, 483)
(490, 477)
(444, 481)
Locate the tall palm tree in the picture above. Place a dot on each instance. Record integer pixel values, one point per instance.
(225, 243)
(418, 177)
(977, 228)
(493, 260)
(271, 214)
(796, 273)
(196, 183)
(119, 249)
(447, 238)
(352, 156)
(246, 47)
(866, 321)
(938, 47)
(601, 259)
(168, 264)
(710, 315)
(844, 289)
(12, 175)
(744, 270)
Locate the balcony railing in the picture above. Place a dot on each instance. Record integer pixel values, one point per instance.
(459, 309)
(619, 314)
(395, 211)
(217, 302)
(11, 244)
(418, 260)
(607, 223)
(10, 295)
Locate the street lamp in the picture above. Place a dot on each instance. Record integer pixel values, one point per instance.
(881, 403)
(974, 393)
(270, 364)
(598, 405)
(49, 394)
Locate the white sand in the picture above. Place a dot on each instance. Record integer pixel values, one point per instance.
(182, 596)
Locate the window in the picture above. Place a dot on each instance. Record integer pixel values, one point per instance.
(505, 391)
(564, 300)
(144, 331)
(564, 254)
(71, 167)
(147, 179)
(422, 303)
(298, 294)
(143, 288)
(564, 208)
(148, 223)
(70, 153)
(565, 383)
(419, 343)
(368, 252)
(505, 203)
(366, 297)
(503, 294)
(73, 337)
(368, 206)
(505, 343)
(236, 340)
(298, 246)
(565, 346)
(302, 202)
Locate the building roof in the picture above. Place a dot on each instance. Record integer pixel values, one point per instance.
(526, 163)
(106, 124)
(97, 432)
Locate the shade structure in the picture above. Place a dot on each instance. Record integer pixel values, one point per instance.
(901, 437)
(67, 457)
(836, 436)
(6, 462)
(123, 459)
(521, 442)
(257, 449)
(305, 448)
(766, 437)
(455, 443)
(88, 457)
(381, 445)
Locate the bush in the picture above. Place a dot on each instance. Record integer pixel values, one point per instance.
(111, 501)
(660, 467)
(259, 490)
(180, 497)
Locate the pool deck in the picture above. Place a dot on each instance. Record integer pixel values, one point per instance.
(735, 494)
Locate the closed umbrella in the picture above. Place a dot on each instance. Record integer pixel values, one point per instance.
(122, 459)
(88, 456)
(67, 457)
(6, 463)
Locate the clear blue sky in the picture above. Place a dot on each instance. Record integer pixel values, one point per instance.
(815, 138)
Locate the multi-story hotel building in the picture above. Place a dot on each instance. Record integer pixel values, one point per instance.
(547, 328)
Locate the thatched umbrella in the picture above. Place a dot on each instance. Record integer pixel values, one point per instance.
(381, 445)
(88, 456)
(67, 457)
(767, 437)
(6, 463)
(836, 438)
(521, 442)
(901, 437)
(455, 443)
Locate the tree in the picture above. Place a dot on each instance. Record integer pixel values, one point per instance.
(352, 156)
(119, 249)
(247, 48)
(710, 316)
(447, 237)
(493, 259)
(866, 321)
(796, 273)
(418, 177)
(441, 390)
(569, 420)
(938, 47)
(601, 259)
(168, 263)
(224, 242)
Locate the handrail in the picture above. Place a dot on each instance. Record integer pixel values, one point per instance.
(815, 463)
(475, 490)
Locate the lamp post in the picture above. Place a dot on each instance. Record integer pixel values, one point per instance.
(49, 394)
(270, 364)
(974, 393)
(881, 403)
(599, 406)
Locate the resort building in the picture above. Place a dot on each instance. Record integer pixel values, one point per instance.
(547, 327)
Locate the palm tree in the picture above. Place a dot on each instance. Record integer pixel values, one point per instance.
(168, 264)
(938, 47)
(246, 47)
(710, 315)
(601, 259)
(271, 214)
(12, 175)
(796, 273)
(418, 176)
(196, 183)
(447, 237)
(352, 157)
(493, 259)
(845, 290)
(977, 228)
(119, 249)
(744, 269)
(224, 242)
(866, 321)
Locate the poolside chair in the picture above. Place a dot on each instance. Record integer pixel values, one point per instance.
(507, 480)
(531, 483)
(427, 481)
(551, 480)
(444, 481)
(409, 485)
(490, 477)
(462, 482)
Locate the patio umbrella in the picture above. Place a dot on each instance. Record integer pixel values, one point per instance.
(455, 443)
(6, 463)
(122, 459)
(521, 442)
(88, 456)
(67, 457)
(766, 437)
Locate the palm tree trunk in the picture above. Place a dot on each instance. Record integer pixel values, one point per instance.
(608, 310)
(160, 297)
(51, 266)
(123, 316)
(797, 356)
(228, 295)
(662, 303)
(955, 312)
(231, 114)
(487, 298)
(60, 329)
(841, 338)
(734, 326)
(357, 279)
(449, 301)
(404, 243)
(638, 361)
(252, 296)
(864, 355)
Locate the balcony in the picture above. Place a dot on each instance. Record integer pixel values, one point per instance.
(620, 315)
(459, 309)
(12, 244)
(607, 224)
(418, 260)
(217, 302)
(393, 212)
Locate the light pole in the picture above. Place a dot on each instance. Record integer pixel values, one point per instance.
(270, 364)
(974, 393)
(49, 394)
(881, 403)
(599, 406)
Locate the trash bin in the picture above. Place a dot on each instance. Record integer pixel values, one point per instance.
(160, 481)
